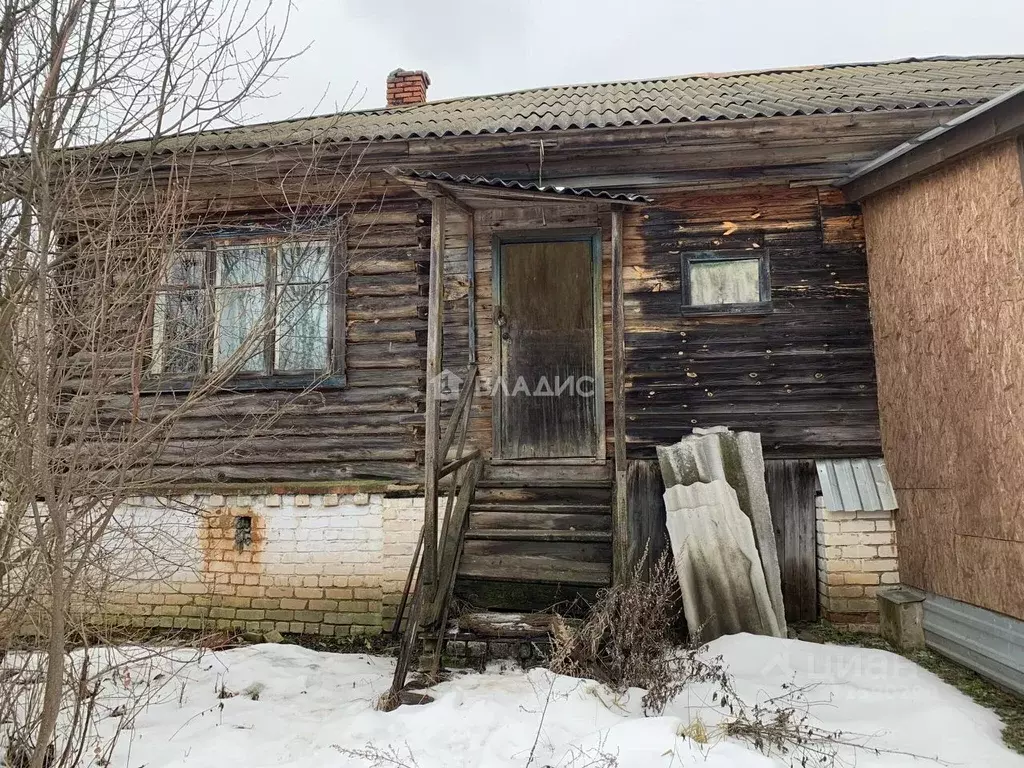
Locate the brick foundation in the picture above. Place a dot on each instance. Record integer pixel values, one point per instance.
(856, 555)
(323, 564)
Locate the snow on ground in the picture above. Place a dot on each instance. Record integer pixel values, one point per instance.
(312, 707)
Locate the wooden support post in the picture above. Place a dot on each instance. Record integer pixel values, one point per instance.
(620, 517)
(471, 277)
(432, 429)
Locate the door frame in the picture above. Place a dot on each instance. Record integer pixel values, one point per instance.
(583, 234)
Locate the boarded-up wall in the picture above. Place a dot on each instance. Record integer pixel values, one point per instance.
(947, 288)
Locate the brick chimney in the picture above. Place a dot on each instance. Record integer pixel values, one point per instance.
(406, 88)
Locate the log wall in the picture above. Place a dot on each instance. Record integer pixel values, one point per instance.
(947, 286)
(371, 428)
(801, 374)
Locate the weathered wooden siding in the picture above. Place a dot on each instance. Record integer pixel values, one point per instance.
(370, 428)
(947, 287)
(802, 375)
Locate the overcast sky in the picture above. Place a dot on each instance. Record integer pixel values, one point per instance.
(488, 46)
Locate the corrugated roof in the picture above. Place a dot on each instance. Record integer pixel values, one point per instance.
(482, 181)
(855, 485)
(846, 88)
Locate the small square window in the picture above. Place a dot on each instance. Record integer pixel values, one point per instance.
(726, 281)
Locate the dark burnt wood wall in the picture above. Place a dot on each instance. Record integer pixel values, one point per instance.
(802, 375)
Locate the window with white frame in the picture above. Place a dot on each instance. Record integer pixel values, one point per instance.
(261, 308)
(726, 281)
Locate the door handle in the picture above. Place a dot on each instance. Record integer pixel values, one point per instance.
(502, 323)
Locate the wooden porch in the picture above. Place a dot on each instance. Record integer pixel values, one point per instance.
(523, 529)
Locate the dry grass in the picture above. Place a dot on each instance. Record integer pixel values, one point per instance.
(630, 639)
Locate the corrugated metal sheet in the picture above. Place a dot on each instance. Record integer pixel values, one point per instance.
(906, 84)
(481, 181)
(855, 485)
(989, 643)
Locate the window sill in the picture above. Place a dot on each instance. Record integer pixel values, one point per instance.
(249, 384)
(729, 310)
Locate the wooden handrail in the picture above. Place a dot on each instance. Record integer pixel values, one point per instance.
(451, 466)
(461, 405)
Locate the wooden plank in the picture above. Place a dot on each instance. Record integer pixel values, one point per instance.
(524, 534)
(458, 414)
(339, 338)
(791, 491)
(451, 544)
(432, 424)
(396, 628)
(533, 567)
(471, 291)
(553, 475)
(620, 512)
(648, 538)
(527, 521)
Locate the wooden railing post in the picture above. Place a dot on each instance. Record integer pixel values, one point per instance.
(435, 350)
(620, 515)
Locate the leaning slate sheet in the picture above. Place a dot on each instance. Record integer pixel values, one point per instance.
(721, 454)
(720, 576)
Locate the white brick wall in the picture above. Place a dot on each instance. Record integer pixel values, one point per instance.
(856, 556)
(318, 563)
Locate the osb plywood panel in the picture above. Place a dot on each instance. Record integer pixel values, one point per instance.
(946, 275)
(925, 539)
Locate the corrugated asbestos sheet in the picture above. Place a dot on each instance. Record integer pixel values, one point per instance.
(481, 181)
(894, 85)
(855, 485)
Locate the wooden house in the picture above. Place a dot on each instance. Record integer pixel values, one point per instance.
(577, 275)
(944, 218)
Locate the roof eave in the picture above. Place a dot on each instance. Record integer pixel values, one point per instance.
(994, 121)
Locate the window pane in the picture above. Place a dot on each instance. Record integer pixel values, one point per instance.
(240, 315)
(302, 328)
(303, 262)
(178, 332)
(242, 265)
(734, 281)
(186, 269)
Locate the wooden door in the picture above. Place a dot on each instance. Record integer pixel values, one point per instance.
(548, 396)
(791, 485)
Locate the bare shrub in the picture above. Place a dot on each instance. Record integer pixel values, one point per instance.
(630, 640)
(97, 213)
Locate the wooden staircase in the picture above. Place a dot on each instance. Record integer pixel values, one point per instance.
(538, 535)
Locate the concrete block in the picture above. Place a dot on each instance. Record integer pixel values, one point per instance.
(901, 617)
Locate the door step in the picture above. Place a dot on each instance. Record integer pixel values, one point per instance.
(525, 534)
(503, 624)
(547, 475)
(538, 535)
